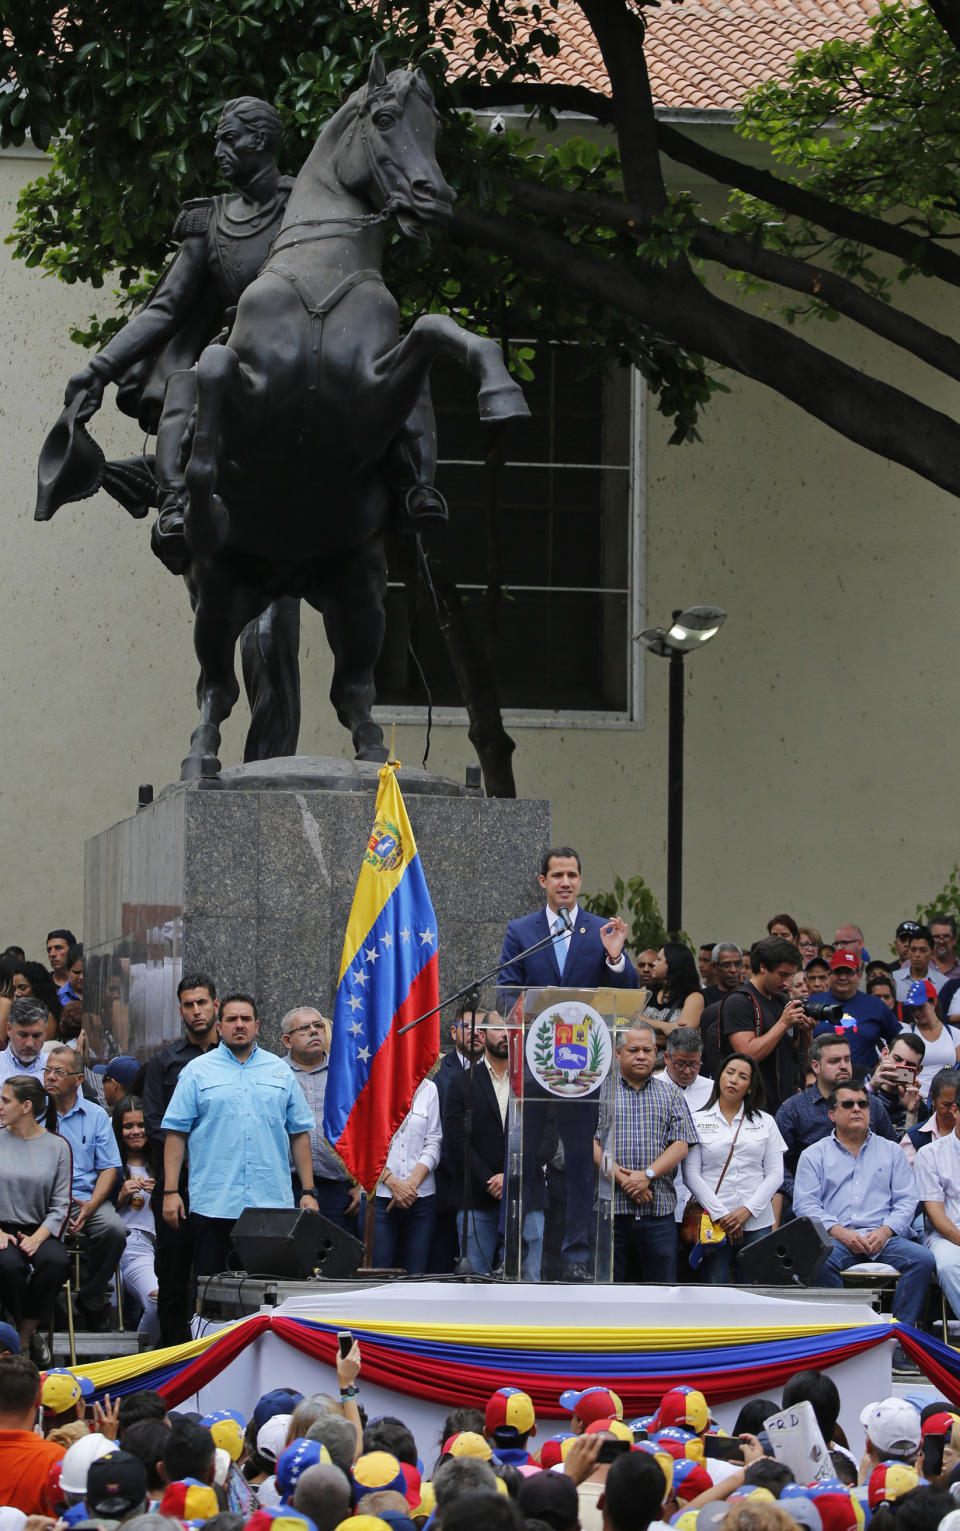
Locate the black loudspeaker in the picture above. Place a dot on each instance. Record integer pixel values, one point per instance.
(794, 1255)
(283, 1241)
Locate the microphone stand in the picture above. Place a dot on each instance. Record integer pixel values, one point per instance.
(471, 992)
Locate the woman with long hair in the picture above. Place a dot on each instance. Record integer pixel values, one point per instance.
(36, 1169)
(138, 1177)
(736, 1168)
(32, 981)
(677, 998)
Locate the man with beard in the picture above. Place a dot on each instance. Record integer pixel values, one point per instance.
(197, 997)
(237, 1108)
(478, 1215)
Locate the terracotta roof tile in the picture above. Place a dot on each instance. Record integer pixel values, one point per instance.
(706, 54)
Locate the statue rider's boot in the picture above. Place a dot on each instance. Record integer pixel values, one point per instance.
(424, 506)
(167, 539)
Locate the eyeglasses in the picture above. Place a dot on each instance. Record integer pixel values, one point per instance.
(61, 1073)
(851, 1105)
(310, 1026)
(685, 1065)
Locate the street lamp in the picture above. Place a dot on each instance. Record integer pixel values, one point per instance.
(689, 630)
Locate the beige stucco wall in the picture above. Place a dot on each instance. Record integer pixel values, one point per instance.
(820, 724)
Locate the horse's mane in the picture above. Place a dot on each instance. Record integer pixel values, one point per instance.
(394, 91)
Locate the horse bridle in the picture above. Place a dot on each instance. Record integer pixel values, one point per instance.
(362, 220)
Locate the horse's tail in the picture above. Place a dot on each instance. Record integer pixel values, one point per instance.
(270, 655)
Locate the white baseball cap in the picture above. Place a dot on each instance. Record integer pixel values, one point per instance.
(893, 1424)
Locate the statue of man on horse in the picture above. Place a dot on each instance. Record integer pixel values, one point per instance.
(291, 421)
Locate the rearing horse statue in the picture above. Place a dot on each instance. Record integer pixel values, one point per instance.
(296, 412)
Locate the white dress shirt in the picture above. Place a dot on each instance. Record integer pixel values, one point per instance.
(937, 1171)
(755, 1172)
(416, 1141)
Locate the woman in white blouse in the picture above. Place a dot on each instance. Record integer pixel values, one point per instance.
(732, 1120)
(406, 1196)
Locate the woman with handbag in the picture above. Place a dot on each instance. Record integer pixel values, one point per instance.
(736, 1168)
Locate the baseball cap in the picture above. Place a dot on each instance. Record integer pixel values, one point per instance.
(684, 1406)
(888, 1481)
(295, 1459)
(843, 959)
(690, 1479)
(116, 1484)
(938, 1424)
(413, 1478)
(227, 1427)
(272, 1436)
(509, 1413)
(551, 1497)
(592, 1403)
(189, 1499)
(836, 1506)
(678, 1443)
(123, 1069)
(281, 1400)
(375, 1471)
(467, 1443)
(893, 1426)
(551, 1452)
(59, 1392)
(919, 992)
(801, 1508)
(711, 1515)
(614, 1427)
(280, 1517)
(9, 1339)
(355, 1523)
(908, 928)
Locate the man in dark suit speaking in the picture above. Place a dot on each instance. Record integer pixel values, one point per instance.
(586, 953)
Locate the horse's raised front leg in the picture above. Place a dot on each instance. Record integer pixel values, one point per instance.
(218, 385)
(500, 396)
(222, 609)
(351, 602)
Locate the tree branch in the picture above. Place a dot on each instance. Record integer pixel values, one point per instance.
(619, 34)
(871, 413)
(807, 204)
(562, 98)
(739, 254)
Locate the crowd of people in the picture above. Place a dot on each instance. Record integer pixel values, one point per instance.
(792, 1078)
(316, 1463)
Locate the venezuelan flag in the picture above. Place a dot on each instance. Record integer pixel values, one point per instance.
(388, 976)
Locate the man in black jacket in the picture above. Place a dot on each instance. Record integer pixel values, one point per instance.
(478, 1201)
(197, 996)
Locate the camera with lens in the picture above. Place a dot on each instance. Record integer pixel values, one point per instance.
(823, 1010)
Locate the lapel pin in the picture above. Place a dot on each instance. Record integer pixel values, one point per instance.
(583, 930)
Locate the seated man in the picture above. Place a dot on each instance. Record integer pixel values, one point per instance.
(937, 1171)
(96, 1160)
(805, 1118)
(862, 1189)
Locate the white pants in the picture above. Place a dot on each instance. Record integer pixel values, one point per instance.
(140, 1277)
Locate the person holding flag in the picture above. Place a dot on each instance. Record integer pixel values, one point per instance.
(388, 976)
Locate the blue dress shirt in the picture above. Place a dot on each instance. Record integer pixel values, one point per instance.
(87, 1129)
(874, 1188)
(238, 1118)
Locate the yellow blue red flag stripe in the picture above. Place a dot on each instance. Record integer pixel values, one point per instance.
(388, 976)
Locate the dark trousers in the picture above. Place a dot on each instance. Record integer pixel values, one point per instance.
(28, 1288)
(333, 1199)
(103, 1238)
(644, 1248)
(211, 1243)
(174, 1266)
(404, 1235)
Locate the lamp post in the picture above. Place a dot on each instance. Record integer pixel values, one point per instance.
(689, 630)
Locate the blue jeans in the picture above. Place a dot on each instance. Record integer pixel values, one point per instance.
(644, 1248)
(403, 1235)
(915, 1263)
(480, 1240)
(720, 1268)
(333, 1198)
(532, 1246)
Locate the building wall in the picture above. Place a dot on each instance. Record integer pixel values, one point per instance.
(816, 721)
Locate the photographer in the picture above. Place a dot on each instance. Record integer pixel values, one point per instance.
(805, 1119)
(756, 1019)
(894, 1081)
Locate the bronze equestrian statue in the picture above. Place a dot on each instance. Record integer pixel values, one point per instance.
(281, 451)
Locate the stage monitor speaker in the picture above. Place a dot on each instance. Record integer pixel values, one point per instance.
(284, 1241)
(793, 1255)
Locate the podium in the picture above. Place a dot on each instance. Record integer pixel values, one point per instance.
(558, 1183)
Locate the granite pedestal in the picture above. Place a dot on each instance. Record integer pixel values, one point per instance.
(252, 881)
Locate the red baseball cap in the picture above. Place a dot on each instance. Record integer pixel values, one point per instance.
(844, 960)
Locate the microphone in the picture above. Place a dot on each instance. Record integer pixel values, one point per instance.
(563, 915)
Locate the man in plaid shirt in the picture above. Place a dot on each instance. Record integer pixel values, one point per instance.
(652, 1131)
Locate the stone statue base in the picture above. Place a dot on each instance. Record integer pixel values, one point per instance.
(251, 878)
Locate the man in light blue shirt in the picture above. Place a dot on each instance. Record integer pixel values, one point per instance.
(863, 1190)
(96, 1160)
(237, 1107)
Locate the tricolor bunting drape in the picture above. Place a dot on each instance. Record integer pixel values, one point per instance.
(388, 976)
(464, 1364)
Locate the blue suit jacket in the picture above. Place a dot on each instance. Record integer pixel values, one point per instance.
(586, 964)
